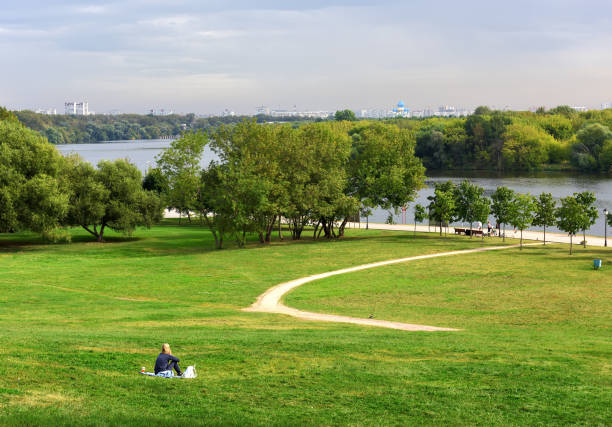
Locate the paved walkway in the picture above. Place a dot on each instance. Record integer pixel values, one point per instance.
(270, 301)
(527, 235)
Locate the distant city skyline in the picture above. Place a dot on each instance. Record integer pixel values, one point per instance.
(210, 56)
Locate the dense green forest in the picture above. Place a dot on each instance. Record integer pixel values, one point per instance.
(557, 139)
(560, 138)
(68, 129)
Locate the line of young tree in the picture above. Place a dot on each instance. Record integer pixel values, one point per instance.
(44, 192)
(318, 174)
(560, 138)
(467, 203)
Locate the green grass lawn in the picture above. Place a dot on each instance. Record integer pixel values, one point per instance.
(78, 321)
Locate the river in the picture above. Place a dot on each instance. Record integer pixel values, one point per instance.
(142, 154)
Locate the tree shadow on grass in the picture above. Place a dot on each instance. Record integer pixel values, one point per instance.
(186, 239)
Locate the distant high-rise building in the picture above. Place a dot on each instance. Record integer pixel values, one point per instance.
(76, 108)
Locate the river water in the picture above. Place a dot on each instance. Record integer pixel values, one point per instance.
(142, 154)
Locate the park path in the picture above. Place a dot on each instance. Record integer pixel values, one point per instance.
(551, 237)
(270, 301)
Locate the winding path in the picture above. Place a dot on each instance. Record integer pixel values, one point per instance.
(270, 301)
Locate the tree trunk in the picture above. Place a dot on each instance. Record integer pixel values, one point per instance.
(280, 230)
(101, 234)
(584, 237)
(212, 230)
(270, 229)
(316, 227)
(189, 216)
(571, 243)
(471, 234)
(440, 224)
(504, 231)
(90, 231)
(521, 239)
(544, 235)
(342, 226)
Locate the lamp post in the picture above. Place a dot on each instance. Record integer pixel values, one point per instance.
(605, 227)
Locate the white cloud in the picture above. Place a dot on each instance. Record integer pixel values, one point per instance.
(92, 9)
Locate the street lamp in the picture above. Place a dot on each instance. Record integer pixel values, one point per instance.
(605, 227)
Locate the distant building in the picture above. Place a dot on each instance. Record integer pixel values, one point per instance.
(77, 108)
(580, 109)
(606, 105)
(262, 110)
(301, 114)
(400, 110)
(49, 112)
(160, 112)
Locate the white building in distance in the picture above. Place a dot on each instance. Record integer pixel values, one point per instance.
(160, 112)
(77, 108)
(48, 112)
(301, 114)
(262, 110)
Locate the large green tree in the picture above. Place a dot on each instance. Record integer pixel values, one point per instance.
(590, 141)
(383, 170)
(110, 196)
(180, 167)
(525, 146)
(345, 115)
(251, 171)
(33, 194)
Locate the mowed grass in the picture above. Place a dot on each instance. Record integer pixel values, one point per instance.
(78, 321)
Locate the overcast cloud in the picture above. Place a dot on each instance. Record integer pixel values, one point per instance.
(204, 56)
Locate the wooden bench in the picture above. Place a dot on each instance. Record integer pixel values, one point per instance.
(468, 231)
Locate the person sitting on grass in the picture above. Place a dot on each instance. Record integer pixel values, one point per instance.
(166, 362)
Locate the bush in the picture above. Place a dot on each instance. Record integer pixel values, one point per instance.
(57, 235)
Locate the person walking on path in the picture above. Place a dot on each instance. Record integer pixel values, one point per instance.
(166, 362)
(489, 227)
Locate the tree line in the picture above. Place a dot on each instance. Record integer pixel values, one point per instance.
(495, 140)
(70, 129)
(466, 202)
(560, 138)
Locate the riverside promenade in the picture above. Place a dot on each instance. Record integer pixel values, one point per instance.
(527, 234)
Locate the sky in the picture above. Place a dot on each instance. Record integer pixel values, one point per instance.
(205, 56)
